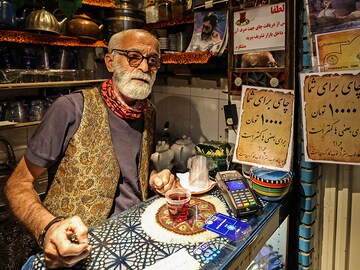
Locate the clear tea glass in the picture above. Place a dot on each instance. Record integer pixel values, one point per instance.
(177, 200)
(199, 174)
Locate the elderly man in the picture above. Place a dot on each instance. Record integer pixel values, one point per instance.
(96, 145)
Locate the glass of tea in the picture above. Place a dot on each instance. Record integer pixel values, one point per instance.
(177, 200)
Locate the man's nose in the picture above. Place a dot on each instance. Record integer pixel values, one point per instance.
(144, 66)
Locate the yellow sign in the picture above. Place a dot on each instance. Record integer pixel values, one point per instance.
(331, 113)
(338, 50)
(265, 130)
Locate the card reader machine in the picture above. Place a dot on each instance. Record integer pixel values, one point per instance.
(239, 196)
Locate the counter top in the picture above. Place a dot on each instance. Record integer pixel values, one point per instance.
(120, 242)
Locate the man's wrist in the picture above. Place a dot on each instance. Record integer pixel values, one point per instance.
(46, 228)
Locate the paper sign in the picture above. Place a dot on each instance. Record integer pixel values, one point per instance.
(258, 29)
(338, 50)
(331, 113)
(265, 133)
(178, 260)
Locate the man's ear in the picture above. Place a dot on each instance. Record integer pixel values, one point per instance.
(109, 62)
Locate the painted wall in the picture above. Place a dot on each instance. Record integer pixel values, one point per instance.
(194, 110)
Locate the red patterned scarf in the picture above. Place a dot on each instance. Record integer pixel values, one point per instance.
(117, 105)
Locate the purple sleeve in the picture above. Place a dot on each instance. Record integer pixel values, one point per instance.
(49, 141)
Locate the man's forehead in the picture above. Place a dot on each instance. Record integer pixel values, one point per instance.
(140, 42)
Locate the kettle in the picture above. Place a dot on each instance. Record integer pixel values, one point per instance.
(163, 158)
(43, 20)
(183, 149)
(83, 26)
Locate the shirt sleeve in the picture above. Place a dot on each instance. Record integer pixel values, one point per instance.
(60, 122)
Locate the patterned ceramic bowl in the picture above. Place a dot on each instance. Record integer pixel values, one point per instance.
(270, 185)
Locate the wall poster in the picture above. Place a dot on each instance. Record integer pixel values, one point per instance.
(331, 113)
(210, 32)
(332, 15)
(265, 132)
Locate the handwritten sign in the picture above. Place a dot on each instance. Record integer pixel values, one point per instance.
(261, 28)
(265, 131)
(331, 113)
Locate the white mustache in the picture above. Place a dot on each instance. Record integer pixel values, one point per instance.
(141, 76)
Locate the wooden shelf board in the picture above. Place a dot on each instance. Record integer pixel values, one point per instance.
(100, 3)
(49, 84)
(46, 39)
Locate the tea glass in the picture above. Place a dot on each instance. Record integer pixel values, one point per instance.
(177, 200)
(199, 173)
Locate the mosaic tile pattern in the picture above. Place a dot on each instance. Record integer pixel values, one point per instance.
(121, 243)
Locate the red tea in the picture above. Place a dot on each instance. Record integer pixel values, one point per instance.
(178, 203)
(178, 196)
(179, 213)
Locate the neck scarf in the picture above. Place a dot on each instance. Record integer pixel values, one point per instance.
(117, 105)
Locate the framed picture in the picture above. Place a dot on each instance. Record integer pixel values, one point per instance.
(332, 15)
(210, 31)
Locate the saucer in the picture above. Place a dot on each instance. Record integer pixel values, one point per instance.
(184, 182)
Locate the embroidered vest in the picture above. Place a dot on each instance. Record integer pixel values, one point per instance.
(87, 177)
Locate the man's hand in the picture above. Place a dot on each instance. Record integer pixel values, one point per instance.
(59, 250)
(162, 181)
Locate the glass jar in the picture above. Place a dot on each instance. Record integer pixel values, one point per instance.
(177, 8)
(165, 13)
(36, 110)
(152, 11)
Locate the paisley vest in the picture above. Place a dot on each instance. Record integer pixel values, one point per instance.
(87, 177)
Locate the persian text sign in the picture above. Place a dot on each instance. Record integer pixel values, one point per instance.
(265, 131)
(331, 113)
(258, 29)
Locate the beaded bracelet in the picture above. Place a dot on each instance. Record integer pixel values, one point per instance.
(44, 231)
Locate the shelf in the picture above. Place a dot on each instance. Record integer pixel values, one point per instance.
(164, 24)
(99, 3)
(19, 125)
(258, 69)
(184, 58)
(46, 39)
(8, 86)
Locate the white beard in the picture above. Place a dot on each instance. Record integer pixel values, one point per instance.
(131, 88)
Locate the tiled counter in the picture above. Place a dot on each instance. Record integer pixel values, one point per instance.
(121, 242)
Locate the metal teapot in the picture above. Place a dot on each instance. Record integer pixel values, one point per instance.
(83, 26)
(122, 17)
(43, 21)
(184, 149)
(163, 158)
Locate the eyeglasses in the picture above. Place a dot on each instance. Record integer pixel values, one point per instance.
(135, 58)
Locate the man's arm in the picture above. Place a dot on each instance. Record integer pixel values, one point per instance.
(23, 200)
(27, 207)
